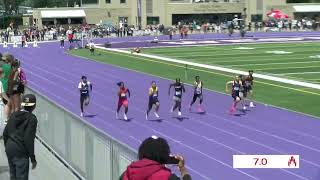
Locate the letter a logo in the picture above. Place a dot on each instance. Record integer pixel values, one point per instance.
(291, 161)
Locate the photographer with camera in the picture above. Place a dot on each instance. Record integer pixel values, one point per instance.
(154, 153)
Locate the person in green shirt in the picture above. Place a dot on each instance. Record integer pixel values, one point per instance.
(6, 70)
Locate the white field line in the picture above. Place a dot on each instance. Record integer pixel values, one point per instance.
(261, 76)
(294, 67)
(299, 73)
(217, 60)
(224, 44)
(302, 62)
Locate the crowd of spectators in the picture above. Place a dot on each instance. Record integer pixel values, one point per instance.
(123, 29)
(13, 82)
(18, 127)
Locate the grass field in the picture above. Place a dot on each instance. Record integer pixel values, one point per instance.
(292, 97)
(299, 61)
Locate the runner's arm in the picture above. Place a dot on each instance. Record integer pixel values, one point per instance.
(170, 89)
(227, 85)
(80, 86)
(90, 85)
(129, 93)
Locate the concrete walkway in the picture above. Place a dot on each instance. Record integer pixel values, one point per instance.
(49, 168)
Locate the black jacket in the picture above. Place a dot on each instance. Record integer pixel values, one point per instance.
(19, 135)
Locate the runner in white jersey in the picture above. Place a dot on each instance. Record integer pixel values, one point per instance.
(198, 85)
(84, 87)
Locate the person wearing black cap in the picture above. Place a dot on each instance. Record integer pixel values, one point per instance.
(19, 136)
(84, 87)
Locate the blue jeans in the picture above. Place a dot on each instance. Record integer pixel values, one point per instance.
(19, 168)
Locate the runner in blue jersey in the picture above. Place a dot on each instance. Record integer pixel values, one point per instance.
(153, 100)
(235, 92)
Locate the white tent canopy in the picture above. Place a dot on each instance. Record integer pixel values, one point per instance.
(63, 14)
(307, 8)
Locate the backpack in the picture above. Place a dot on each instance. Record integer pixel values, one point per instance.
(22, 75)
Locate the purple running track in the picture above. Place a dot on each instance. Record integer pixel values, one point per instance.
(207, 141)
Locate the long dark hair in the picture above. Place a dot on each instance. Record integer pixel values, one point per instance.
(154, 148)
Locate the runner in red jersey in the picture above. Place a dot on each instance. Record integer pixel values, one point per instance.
(123, 100)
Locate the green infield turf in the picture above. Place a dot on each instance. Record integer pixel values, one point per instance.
(292, 97)
(299, 61)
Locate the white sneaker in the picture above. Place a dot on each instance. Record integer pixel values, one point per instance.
(251, 104)
(244, 108)
(171, 110)
(179, 113)
(117, 115)
(81, 114)
(156, 114)
(125, 117)
(147, 118)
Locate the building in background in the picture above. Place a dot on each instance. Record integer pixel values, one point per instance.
(169, 12)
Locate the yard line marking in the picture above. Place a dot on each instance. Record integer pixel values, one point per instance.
(300, 73)
(299, 62)
(215, 60)
(287, 68)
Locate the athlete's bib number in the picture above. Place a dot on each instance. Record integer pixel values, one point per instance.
(236, 88)
(155, 95)
(123, 95)
(178, 93)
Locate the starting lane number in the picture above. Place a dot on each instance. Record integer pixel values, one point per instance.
(266, 161)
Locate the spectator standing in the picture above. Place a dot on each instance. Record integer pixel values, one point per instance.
(70, 37)
(4, 96)
(42, 34)
(153, 155)
(6, 69)
(62, 38)
(15, 86)
(170, 33)
(19, 136)
(23, 40)
(290, 25)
